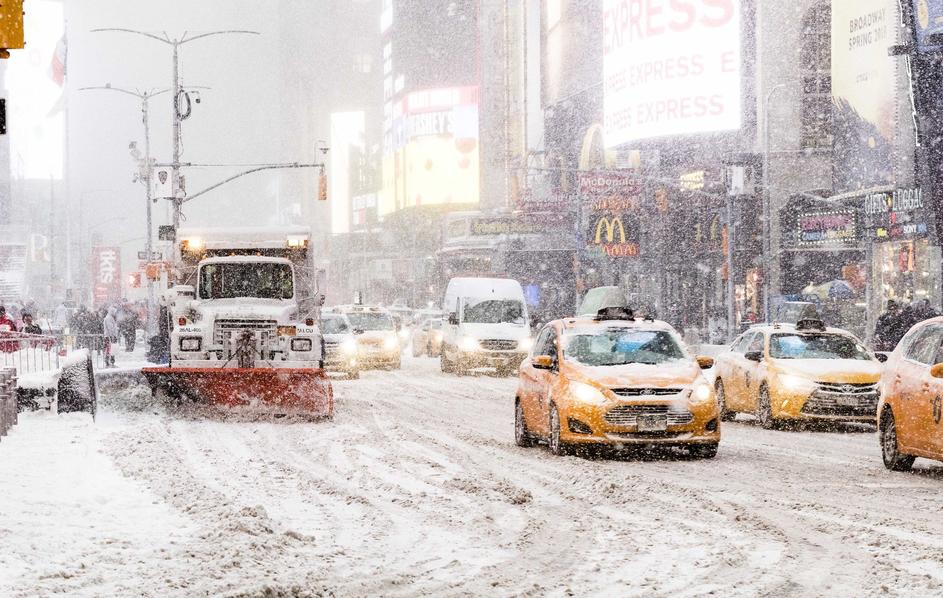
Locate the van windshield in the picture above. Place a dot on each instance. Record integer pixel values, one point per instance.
(367, 320)
(493, 311)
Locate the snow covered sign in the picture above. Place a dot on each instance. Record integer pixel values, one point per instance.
(162, 181)
(670, 68)
(106, 275)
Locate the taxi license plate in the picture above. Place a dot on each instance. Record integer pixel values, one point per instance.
(847, 401)
(652, 423)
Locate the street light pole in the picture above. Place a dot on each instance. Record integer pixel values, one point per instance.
(767, 201)
(179, 193)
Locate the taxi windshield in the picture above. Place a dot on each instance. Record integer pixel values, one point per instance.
(333, 326)
(620, 346)
(816, 346)
(366, 320)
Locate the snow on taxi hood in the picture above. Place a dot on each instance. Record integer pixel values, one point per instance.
(676, 373)
(507, 331)
(246, 309)
(831, 370)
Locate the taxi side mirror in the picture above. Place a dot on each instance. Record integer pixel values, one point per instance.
(882, 357)
(706, 363)
(937, 371)
(453, 319)
(542, 362)
(756, 356)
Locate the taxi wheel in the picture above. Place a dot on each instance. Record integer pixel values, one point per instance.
(557, 446)
(521, 436)
(890, 450)
(444, 364)
(725, 416)
(764, 409)
(353, 375)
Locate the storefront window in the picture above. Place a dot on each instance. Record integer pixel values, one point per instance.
(904, 271)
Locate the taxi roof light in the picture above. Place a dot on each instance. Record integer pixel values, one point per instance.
(811, 324)
(615, 313)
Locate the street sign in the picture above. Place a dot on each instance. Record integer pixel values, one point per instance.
(162, 182)
(166, 232)
(156, 256)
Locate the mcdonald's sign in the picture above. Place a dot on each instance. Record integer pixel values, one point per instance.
(611, 233)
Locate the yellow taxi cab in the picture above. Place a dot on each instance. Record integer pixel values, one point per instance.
(377, 336)
(615, 380)
(909, 422)
(804, 371)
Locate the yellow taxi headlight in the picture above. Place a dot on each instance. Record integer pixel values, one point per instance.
(701, 392)
(390, 343)
(469, 344)
(586, 394)
(795, 384)
(349, 346)
(525, 344)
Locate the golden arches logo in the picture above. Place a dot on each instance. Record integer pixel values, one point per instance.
(610, 225)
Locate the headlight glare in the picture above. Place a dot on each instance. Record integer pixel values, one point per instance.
(390, 343)
(586, 393)
(796, 384)
(525, 344)
(469, 344)
(349, 346)
(701, 392)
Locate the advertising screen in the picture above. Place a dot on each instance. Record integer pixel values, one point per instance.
(670, 68)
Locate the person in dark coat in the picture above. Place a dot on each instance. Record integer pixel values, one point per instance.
(890, 327)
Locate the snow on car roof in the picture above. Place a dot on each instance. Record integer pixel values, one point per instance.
(638, 324)
(772, 328)
(239, 259)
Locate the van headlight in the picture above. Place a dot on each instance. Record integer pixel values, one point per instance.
(525, 344)
(191, 344)
(349, 346)
(390, 343)
(301, 344)
(587, 394)
(469, 344)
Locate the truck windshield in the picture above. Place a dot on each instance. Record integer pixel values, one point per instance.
(493, 311)
(371, 321)
(258, 280)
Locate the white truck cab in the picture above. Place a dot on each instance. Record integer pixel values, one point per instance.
(486, 324)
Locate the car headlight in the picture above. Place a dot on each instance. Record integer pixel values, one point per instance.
(390, 343)
(404, 334)
(301, 344)
(796, 384)
(191, 344)
(349, 346)
(701, 392)
(586, 393)
(469, 344)
(437, 336)
(525, 344)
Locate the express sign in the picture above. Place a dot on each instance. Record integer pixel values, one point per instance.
(670, 67)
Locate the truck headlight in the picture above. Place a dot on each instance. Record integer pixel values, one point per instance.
(587, 394)
(469, 344)
(525, 344)
(390, 343)
(349, 346)
(191, 344)
(301, 344)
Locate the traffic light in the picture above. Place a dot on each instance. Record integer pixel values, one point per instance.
(11, 26)
(322, 186)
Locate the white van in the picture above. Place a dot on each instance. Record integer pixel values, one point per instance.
(486, 325)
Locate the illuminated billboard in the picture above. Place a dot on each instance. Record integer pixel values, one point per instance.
(670, 68)
(434, 150)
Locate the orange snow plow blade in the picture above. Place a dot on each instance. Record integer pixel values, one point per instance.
(285, 391)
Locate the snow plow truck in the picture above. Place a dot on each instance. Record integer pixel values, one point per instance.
(243, 324)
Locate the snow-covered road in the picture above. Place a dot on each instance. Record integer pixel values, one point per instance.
(417, 488)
